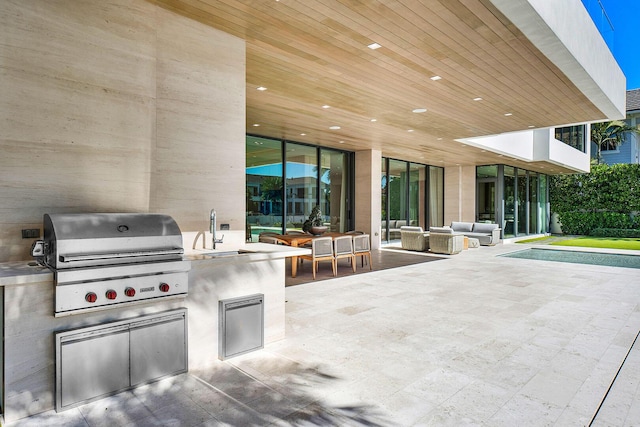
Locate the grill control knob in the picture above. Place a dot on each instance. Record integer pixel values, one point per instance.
(164, 287)
(90, 297)
(111, 294)
(130, 292)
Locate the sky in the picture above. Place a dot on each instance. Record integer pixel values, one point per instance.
(624, 38)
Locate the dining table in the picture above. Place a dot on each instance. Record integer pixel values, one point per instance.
(300, 239)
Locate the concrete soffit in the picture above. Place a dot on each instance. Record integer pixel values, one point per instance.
(564, 32)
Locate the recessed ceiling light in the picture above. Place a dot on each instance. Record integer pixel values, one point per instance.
(477, 99)
(374, 46)
(326, 106)
(261, 88)
(334, 127)
(256, 124)
(419, 110)
(373, 120)
(302, 134)
(439, 139)
(341, 142)
(434, 78)
(409, 130)
(508, 114)
(531, 126)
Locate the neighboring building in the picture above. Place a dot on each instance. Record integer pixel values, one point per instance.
(376, 111)
(629, 150)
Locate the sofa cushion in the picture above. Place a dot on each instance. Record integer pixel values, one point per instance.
(410, 228)
(479, 227)
(461, 227)
(441, 230)
(483, 238)
(401, 223)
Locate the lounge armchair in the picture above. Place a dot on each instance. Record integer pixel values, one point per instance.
(445, 241)
(414, 238)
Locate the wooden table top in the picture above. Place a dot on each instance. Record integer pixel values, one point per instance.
(298, 239)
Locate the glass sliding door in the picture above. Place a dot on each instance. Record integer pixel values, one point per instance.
(334, 185)
(285, 180)
(533, 203)
(263, 186)
(436, 197)
(523, 201)
(384, 199)
(486, 193)
(543, 204)
(509, 201)
(301, 183)
(411, 194)
(417, 194)
(398, 197)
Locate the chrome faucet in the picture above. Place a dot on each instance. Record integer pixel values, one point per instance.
(212, 227)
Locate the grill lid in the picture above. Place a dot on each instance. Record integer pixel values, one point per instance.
(80, 240)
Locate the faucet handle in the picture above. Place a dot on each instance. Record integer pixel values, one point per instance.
(220, 239)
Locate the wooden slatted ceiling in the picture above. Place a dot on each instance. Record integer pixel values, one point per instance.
(312, 53)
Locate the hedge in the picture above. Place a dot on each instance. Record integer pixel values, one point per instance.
(607, 198)
(615, 232)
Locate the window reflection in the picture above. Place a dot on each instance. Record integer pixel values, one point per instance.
(275, 191)
(411, 194)
(263, 186)
(301, 183)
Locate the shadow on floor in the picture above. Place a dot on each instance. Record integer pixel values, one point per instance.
(382, 259)
(289, 394)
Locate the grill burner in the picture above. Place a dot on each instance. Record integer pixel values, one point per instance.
(103, 260)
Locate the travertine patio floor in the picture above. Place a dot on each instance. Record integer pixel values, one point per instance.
(473, 339)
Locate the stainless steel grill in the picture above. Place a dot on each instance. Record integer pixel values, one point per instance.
(102, 260)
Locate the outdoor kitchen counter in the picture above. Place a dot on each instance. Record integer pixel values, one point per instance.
(27, 272)
(30, 325)
(246, 252)
(224, 274)
(23, 273)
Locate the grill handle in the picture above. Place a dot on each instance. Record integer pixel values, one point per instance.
(137, 254)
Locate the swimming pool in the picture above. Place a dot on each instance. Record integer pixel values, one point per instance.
(576, 257)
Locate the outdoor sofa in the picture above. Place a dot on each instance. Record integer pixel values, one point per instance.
(488, 234)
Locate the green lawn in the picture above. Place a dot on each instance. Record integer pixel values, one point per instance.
(536, 239)
(601, 242)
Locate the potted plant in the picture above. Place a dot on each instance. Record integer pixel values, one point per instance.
(313, 224)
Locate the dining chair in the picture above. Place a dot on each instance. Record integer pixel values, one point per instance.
(321, 250)
(362, 248)
(343, 248)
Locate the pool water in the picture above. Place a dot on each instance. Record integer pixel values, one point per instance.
(575, 257)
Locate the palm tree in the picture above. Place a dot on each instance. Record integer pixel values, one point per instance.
(609, 134)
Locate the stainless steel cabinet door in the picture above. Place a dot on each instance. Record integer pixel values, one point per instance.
(93, 364)
(241, 325)
(158, 348)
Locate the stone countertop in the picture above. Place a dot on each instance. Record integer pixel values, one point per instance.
(23, 273)
(28, 272)
(246, 252)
